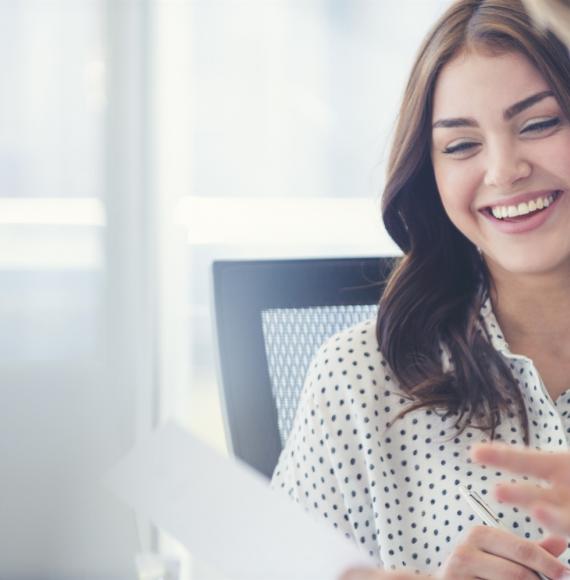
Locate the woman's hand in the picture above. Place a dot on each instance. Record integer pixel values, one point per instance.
(490, 554)
(372, 574)
(549, 505)
(496, 554)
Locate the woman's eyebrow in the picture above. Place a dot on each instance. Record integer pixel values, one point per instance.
(519, 107)
(457, 122)
(509, 113)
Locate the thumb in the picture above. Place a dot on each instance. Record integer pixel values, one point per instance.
(555, 545)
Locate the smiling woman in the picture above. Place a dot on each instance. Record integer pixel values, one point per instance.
(472, 339)
(502, 168)
(522, 209)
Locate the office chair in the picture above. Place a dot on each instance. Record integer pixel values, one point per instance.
(271, 316)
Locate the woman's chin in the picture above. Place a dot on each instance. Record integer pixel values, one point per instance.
(530, 263)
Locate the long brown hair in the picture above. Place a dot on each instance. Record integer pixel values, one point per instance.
(435, 293)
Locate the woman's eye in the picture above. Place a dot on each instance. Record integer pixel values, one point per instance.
(459, 148)
(541, 125)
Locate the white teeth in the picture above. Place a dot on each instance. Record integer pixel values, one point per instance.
(501, 212)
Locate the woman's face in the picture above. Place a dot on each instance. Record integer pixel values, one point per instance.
(501, 157)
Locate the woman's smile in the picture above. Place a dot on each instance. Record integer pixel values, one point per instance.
(523, 217)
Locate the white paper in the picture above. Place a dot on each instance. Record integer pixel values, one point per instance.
(226, 514)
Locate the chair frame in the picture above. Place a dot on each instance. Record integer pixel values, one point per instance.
(242, 290)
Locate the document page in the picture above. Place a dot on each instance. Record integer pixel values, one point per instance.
(226, 514)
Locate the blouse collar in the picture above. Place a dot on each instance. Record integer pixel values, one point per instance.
(492, 328)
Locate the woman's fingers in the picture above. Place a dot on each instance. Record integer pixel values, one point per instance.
(494, 553)
(470, 563)
(527, 494)
(552, 466)
(555, 545)
(477, 558)
(550, 506)
(508, 546)
(371, 574)
(555, 518)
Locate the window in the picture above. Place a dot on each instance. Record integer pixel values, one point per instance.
(140, 141)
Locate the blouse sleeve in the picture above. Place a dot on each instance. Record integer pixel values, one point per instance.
(323, 465)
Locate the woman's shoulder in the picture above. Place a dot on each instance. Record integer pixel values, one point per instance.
(350, 363)
(355, 344)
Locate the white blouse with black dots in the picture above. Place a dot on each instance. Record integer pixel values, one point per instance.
(394, 491)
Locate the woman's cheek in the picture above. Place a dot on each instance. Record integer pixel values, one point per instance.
(554, 158)
(458, 192)
(453, 189)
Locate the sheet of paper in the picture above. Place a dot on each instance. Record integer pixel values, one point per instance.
(226, 514)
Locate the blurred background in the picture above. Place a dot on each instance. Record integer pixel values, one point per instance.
(139, 141)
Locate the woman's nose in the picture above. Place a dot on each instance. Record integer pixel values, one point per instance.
(505, 167)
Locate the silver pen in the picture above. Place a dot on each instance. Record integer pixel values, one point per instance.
(486, 513)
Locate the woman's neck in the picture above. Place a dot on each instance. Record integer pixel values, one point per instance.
(534, 310)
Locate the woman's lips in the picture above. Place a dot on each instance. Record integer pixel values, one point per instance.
(524, 224)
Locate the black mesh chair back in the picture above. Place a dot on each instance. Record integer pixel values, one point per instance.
(271, 318)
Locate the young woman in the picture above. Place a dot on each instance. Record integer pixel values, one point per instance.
(472, 340)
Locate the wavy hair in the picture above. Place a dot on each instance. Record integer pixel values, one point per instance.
(436, 290)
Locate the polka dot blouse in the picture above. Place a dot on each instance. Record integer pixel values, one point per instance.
(394, 490)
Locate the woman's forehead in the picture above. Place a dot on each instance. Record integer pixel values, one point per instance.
(478, 82)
